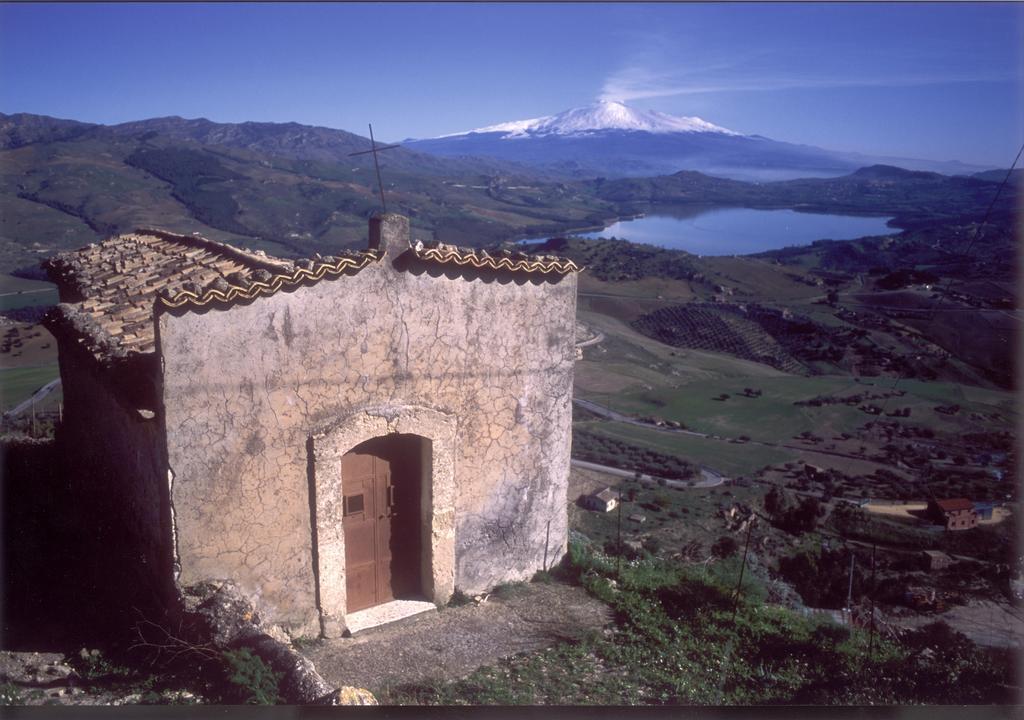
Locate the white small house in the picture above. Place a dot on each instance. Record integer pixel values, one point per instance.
(604, 501)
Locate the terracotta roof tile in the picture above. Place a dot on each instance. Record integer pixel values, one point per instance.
(443, 254)
(954, 504)
(117, 282)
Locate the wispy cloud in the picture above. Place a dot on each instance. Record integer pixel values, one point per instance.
(636, 82)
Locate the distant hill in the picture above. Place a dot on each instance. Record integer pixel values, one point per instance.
(289, 189)
(1016, 176)
(23, 129)
(913, 197)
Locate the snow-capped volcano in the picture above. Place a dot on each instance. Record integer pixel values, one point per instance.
(598, 116)
(611, 139)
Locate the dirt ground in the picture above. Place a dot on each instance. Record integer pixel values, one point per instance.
(453, 642)
(904, 510)
(993, 624)
(897, 510)
(583, 481)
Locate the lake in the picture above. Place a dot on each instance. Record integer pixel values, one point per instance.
(739, 231)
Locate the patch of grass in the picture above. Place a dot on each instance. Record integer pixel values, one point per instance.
(676, 641)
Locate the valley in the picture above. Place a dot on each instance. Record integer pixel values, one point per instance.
(821, 394)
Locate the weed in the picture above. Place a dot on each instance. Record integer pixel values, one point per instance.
(93, 665)
(459, 598)
(542, 576)
(301, 643)
(10, 694)
(252, 678)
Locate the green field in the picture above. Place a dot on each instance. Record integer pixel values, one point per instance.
(16, 292)
(773, 417)
(17, 384)
(732, 459)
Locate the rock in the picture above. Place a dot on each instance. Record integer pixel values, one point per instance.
(33, 667)
(219, 614)
(333, 628)
(300, 683)
(278, 634)
(179, 697)
(355, 696)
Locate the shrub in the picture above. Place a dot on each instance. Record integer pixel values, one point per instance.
(254, 681)
(459, 598)
(724, 547)
(10, 694)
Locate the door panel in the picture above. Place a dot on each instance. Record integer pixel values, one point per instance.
(364, 481)
(381, 521)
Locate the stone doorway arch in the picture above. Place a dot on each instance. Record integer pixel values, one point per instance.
(437, 505)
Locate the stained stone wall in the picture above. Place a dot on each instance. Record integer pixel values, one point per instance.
(250, 390)
(114, 453)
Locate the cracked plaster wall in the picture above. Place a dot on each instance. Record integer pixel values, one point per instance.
(246, 388)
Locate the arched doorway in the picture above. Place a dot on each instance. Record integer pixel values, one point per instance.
(383, 513)
(434, 433)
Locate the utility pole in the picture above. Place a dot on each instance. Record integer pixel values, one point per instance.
(743, 566)
(618, 544)
(871, 636)
(849, 591)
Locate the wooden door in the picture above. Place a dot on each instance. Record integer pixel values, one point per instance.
(368, 492)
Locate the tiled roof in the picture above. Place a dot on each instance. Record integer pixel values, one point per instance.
(443, 254)
(110, 288)
(955, 504)
(113, 285)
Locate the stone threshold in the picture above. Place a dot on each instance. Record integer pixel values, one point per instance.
(385, 614)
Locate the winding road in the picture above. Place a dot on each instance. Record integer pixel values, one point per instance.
(36, 397)
(711, 478)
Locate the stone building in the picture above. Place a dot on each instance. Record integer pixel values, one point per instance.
(330, 434)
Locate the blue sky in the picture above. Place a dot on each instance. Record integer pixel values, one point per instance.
(938, 81)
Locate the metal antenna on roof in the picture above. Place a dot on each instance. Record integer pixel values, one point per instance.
(374, 149)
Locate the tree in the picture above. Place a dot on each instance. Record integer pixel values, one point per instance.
(724, 547)
(773, 501)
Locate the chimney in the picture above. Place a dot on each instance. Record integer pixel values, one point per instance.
(389, 232)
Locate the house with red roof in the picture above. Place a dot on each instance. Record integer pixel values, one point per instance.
(954, 513)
